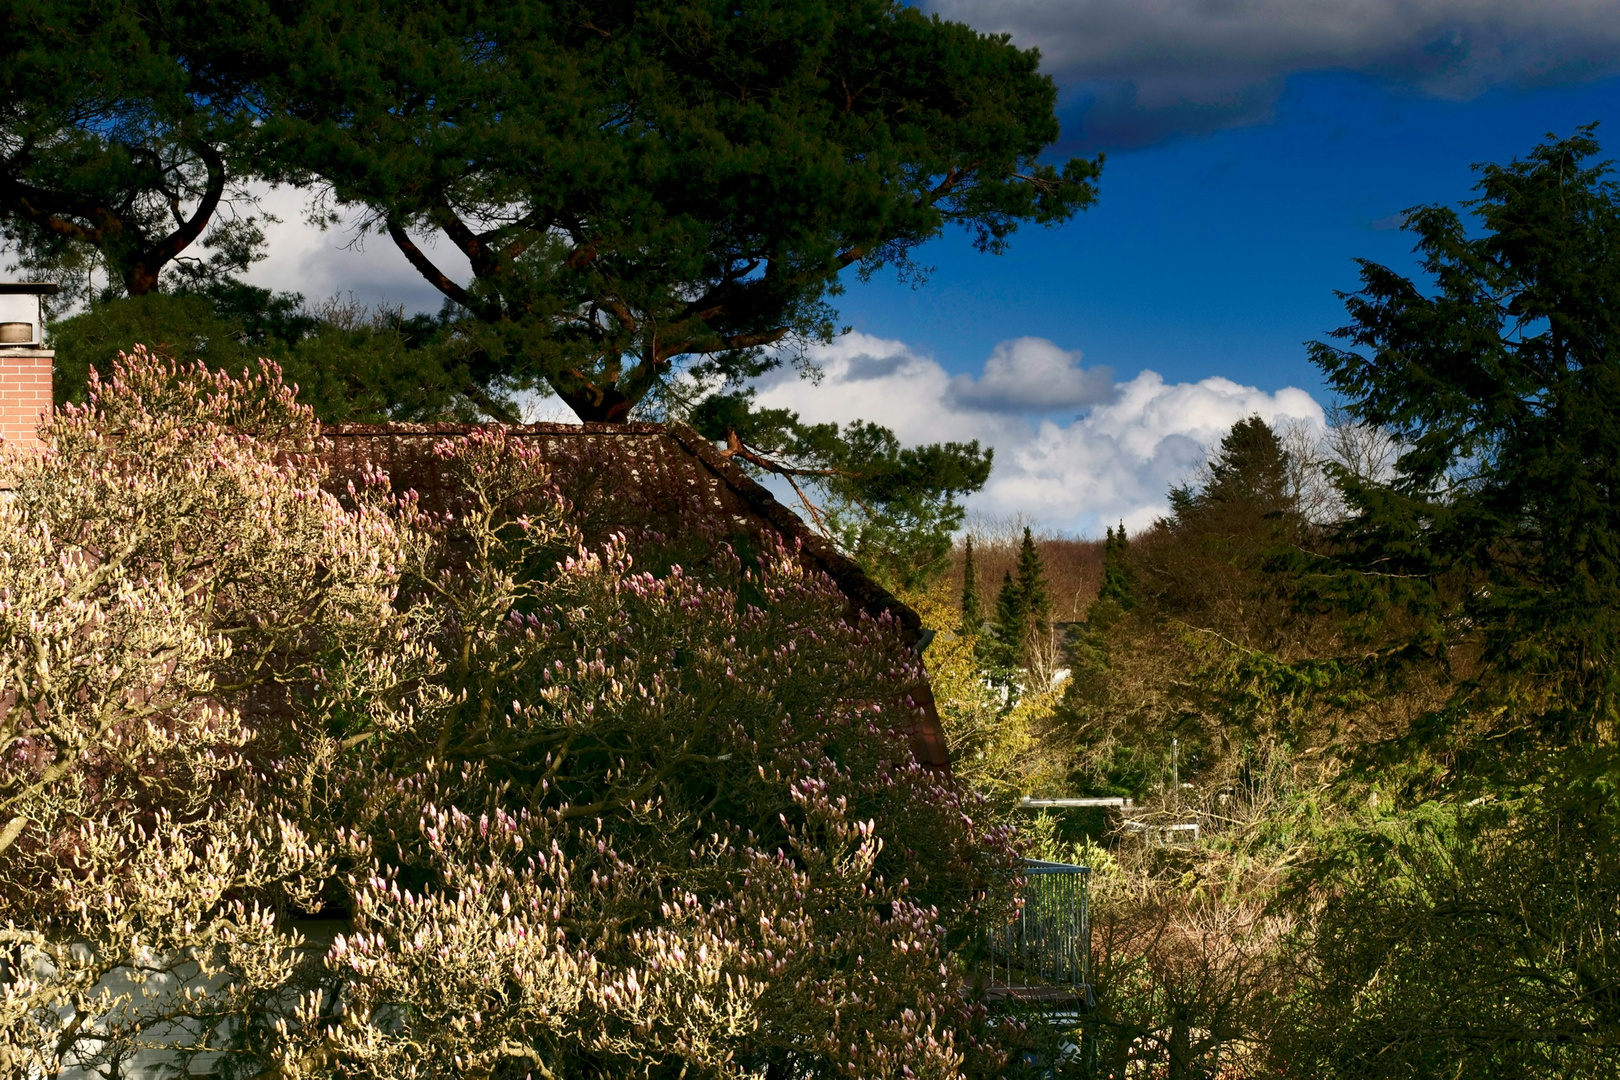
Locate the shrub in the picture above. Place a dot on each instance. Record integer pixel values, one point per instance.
(304, 783)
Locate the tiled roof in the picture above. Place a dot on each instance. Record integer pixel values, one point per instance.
(663, 475)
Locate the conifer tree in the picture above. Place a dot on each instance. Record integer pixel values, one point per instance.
(1010, 611)
(1032, 585)
(1037, 625)
(642, 190)
(118, 152)
(972, 616)
(1116, 584)
(1503, 382)
(1247, 480)
(1024, 607)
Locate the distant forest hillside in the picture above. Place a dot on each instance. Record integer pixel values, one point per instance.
(1073, 566)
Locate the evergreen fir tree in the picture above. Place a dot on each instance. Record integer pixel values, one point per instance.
(1010, 621)
(1247, 478)
(1037, 601)
(1032, 587)
(1024, 608)
(1116, 582)
(972, 617)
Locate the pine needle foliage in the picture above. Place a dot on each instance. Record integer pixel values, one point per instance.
(972, 616)
(1023, 621)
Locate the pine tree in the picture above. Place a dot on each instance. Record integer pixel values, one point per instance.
(1037, 606)
(1023, 609)
(1032, 587)
(1008, 628)
(1248, 478)
(1116, 582)
(972, 617)
(693, 236)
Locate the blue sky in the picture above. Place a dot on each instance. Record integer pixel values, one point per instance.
(1219, 253)
(1255, 148)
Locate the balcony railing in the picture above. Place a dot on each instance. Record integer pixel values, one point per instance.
(1044, 953)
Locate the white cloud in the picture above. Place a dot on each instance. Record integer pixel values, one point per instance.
(1031, 374)
(322, 263)
(1115, 462)
(1150, 65)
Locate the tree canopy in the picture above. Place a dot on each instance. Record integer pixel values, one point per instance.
(635, 190)
(116, 145)
(635, 187)
(638, 207)
(1501, 377)
(353, 363)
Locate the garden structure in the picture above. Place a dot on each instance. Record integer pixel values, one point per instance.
(1043, 956)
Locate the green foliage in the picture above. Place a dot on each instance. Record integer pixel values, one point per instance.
(1210, 563)
(1462, 925)
(893, 508)
(173, 324)
(1502, 377)
(1023, 611)
(1250, 470)
(354, 365)
(1469, 940)
(1088, 643)
(1196, 634)
(1001, 649)
(117, 148)
(639, 189)
(658, 185)
(972, 616)
(1116, 579)
(1032, 583)
(1023, 616)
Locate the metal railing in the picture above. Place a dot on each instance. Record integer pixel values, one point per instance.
(1046, 949)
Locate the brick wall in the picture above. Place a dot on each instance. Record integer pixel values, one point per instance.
(25, 392)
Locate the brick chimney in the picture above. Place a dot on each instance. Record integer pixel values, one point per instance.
(25, 363)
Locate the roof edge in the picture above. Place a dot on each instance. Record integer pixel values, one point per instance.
(851, 578)
(854, 581)
(927, 739)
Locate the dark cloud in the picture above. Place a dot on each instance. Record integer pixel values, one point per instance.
(1135, 72)
(865, 366)
(1030, 374)
(1109, 115)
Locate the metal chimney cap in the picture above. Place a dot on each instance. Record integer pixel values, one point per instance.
(37, 288)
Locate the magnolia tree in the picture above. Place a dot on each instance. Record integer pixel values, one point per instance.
(298, 779)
